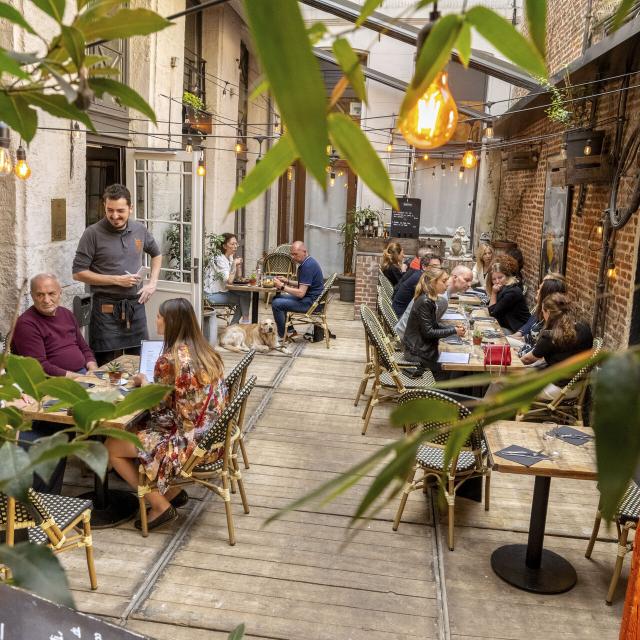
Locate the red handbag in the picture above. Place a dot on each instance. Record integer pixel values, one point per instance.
(498, 355)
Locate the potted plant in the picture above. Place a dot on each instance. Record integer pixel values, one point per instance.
(195, 113)
(477, 336)
(360, 221)
(114, 370)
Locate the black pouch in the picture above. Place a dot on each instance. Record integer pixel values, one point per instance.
(318, 333)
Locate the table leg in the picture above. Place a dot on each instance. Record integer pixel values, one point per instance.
(111, 507)
(532, 567)
(255, 305)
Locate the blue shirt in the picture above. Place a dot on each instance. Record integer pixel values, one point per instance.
(310, 273)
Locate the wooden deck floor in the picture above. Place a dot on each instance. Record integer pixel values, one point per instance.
(294, 579)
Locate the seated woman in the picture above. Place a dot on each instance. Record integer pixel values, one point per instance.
(393, 265)
(223, 272)
(481, 267)
(175, 427)
(516, 254)
(562, 337)
(423, 331)
(506, 300)
(525, 338)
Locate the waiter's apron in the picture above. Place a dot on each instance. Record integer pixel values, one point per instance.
(116, 323)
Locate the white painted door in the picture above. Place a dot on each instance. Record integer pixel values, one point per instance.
(168, 197)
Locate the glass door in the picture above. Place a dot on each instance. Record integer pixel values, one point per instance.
(168, 198)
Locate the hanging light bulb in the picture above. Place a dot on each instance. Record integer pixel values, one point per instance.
(599, 229)
(588, 148)
(469, 159)
(6, 164)
(202, 169)
(451, 166)
(612, 273)
(563, 151)
(332, 179)
(443, 166)
(461, 172)
(433, 173)
(189, 146)
(238, 147)
(276, 126)
(22, 169)
(488, 131)
(76, 132)
(390, 147)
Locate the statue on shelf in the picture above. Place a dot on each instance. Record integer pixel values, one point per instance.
(460, 243)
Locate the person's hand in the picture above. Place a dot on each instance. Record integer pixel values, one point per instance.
(92, 366)
(146, 292)
(497, 287)
(126, 280)
(278, 283)
(139, 380)
(460, 330)
(237, 262)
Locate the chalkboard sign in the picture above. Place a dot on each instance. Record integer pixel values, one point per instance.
(405, 223)
(25, 616)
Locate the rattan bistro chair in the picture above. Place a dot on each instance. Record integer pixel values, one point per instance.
(471, 462)
(283, 248)
(317, 312)
(204, 465)
(385, 283)
(387, 377)
(568, 407)
(626, 518)
(60, 522)
(279, 264)
(235, 381)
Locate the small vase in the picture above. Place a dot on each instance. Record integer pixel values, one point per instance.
(115, 376)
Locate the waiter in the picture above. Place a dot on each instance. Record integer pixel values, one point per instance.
(108, 258)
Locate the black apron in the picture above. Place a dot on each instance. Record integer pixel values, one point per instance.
(116, 323)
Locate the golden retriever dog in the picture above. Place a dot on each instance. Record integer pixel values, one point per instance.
(243, 337)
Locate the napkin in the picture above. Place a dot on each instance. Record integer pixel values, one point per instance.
(571, 435)
(521, 455)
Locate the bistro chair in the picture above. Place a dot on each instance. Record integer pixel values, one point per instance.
(388, 378)
(278, 264)
(471, 461)
(205, 464)
(388, 318)
(218, 310)
(385, 283)
(568, 407)
(283, 248)
(317, 312)
(235, 381)
(626, 518)
(60, 522)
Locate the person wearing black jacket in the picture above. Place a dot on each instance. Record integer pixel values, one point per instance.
(506, 300)
(393, 265)
(404, 291)
(423, 330)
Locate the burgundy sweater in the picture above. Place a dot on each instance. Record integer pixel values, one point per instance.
(55, 341)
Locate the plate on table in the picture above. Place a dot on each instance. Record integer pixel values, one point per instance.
(241, 281)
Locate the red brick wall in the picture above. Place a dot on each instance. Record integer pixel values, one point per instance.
(367, 265)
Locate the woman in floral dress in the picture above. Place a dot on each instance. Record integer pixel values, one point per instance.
(175, 427)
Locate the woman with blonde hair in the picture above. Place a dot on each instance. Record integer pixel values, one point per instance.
(506, 300)
(423, 330)
(481, 267)
(190, 365)
(393, 265)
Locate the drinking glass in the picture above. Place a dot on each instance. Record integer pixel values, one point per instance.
(551, 444)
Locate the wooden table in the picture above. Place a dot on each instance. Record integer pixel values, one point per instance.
(110, 506)
(256, 290)
(531, 567)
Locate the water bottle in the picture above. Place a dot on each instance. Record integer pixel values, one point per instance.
(259, 276)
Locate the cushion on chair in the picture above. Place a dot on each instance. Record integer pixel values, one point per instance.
(209, 467)
(426, 380)
(629, 509)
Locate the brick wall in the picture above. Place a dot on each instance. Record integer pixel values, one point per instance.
(367, 265)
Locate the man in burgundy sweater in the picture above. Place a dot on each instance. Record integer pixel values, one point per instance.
(50, 334)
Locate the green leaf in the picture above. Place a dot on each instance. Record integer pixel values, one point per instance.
(237, 633)
(74, 43)
(142, 398)
(274, 163)
(355, 147)
(15, 472)
(10, 65)
(616, 409)
(316, 32)
(13, 417)
(58, 106)
(463, 44)
(350, 65)
(7, 12)
(124, 24)
(118, 434)
(433, 56)
(508, 40)
(87, 412)
(259, 89)
(294, 77)
(369, 7)
(53, 68)
(44, 453)
(63, 389)
(536, 11)
(621, 14)
(123, 94)
(27, 373)
(36, 569)
(54, 8)
(95, 456)
(9, 392)
(19, 115)
(424, 410)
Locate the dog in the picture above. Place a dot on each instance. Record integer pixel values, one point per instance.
(262, 336)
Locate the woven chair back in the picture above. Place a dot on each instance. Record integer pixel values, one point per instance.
(283, 248)
(236, 377)
(22, 516)
(382, 294)
(385, 283)
(473, 441)
(323, 297)
(584, 371)
(388, 317)
(376, 337)
(279, 264)
(216, 434)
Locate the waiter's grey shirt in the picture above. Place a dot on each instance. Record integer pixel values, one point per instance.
(109, 251)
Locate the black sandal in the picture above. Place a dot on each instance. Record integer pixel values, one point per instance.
(180, 499)
(169, 515)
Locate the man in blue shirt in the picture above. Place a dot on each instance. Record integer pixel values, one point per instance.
(301, 296)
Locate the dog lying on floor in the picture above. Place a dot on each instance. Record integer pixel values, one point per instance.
(262, 336)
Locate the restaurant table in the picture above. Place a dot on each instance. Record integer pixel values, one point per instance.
(256, 290)
(531, 567)
(110, 506)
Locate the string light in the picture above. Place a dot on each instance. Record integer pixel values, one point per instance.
(461, 172)
(189, 146)
(488, 131)
(22, 170)
(76, 132)
(588, 148)
(425, 157)
(390, 147)
(332, 179)
(239, 147)
(611, 267)
(451, 167)
(6, 164)
(433, 173)
(443, 166)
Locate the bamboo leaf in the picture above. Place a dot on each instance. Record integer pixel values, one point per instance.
(508, 40)
(119, 434)
(26, 373)
(123, 94)
(7, 12)
(463, 44)
(123, 24)
(17, 113)
(621, 13)
(424, 410)
(355, 147)
(58, 106)
(45, 453)
(536, 11)
(274, 163)
(142, 398)
(53, 8)
(259, 89)
(10, 65)
(74, 43)
(369, 7)
(294, 77)
(350, 65)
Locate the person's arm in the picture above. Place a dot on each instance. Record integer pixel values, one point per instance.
(99, 279)
(297, 292)
(429, 327)
(502, 304)
(543, 347)
(89, 359)
(28, 342)
(152, 284)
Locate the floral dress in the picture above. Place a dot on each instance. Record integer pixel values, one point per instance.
(170, 435)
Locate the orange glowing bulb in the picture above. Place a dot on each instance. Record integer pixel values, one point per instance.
(469, 159)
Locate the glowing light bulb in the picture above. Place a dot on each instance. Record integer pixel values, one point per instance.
(202, 169)
(588, 149)
(425, 156)
(22, 169)
(390, 147)
(332, 179)
(488, 132)
(443, 166)
(599, 229)
(611, 272)
(6, 163)
(469, 159)
(189, 146)
(461, 173)
(289, 174)
(238, 147)
(433, 119)
(433, 173)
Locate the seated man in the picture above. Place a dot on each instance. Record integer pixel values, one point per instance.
(459, 281)
(50, 334)
(297, 297)
(405, 289)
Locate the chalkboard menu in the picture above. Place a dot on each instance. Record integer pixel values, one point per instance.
(25, 616)
(405, 223)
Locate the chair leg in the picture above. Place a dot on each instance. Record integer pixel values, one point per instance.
(594, 534)
(406, 490)
(228, 510)
(487, 490)
(451, 500)
(144, 525)
(373, 400)
(622, 551)
(243, 451)
(88, 548)
(238, 478)
(327, 336)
